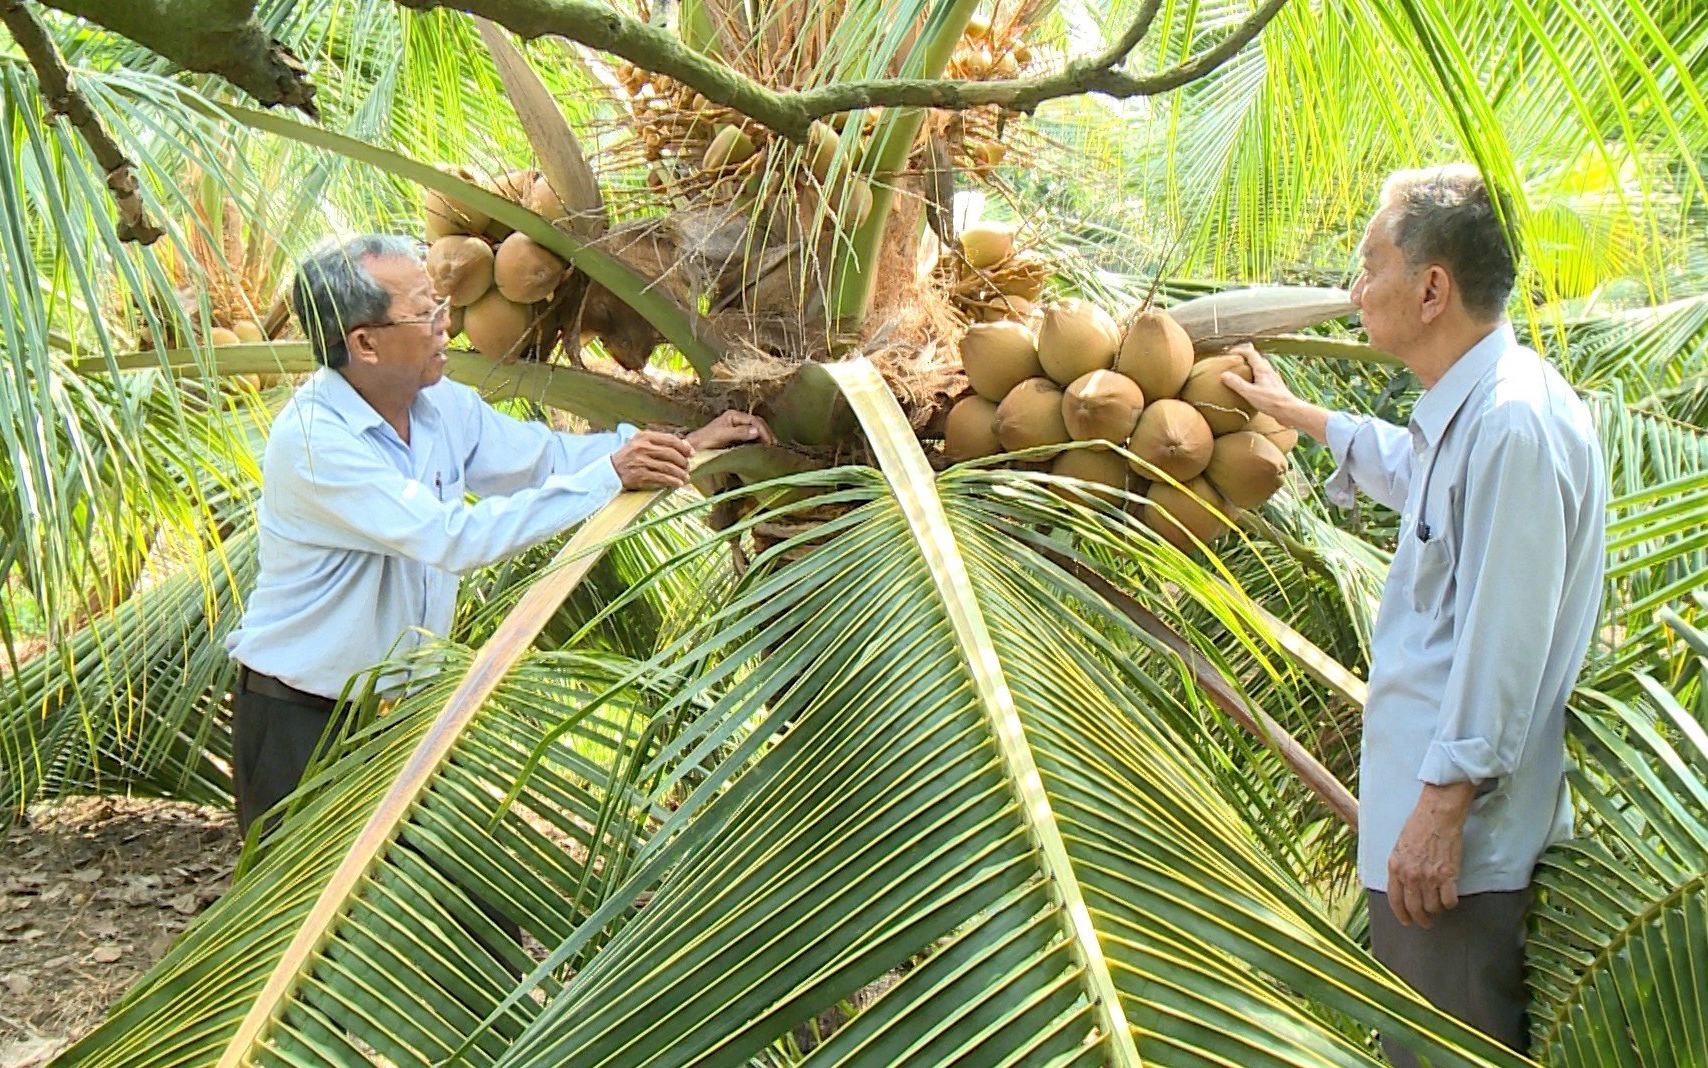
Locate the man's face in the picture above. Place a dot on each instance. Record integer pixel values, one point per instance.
(408, 347)
(1389, 291)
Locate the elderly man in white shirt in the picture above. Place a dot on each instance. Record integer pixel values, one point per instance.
(1489, 607)
(364, 522)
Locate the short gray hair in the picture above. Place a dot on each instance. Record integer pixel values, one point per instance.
(1449, 215)
(334, 291)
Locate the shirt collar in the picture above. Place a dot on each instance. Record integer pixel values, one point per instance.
(335, 391)
(1436, 408)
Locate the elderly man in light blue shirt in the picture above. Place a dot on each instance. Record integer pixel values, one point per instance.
(1489, 607)
(364, 520)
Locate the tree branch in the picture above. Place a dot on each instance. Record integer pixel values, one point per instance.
(64, 99)
(1097, 75)
(208, 36)
(792, 113)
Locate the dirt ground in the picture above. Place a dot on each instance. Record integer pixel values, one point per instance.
(92, 892)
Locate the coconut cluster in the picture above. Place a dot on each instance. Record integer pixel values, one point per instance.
(706, 153)
(499, 281)
(990, 278)
(1070, 373)
(992, 48)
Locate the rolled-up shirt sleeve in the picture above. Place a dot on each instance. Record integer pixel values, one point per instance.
(1370, 455)
(341, 494)
(1511, 564)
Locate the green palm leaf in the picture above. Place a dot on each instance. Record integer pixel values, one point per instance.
(896, 826)
(386, 848)
(1621, 924)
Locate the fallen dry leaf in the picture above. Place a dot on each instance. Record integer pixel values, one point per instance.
(29, 1052)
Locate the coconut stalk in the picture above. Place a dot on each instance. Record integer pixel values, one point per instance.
(853, 272)
(600, 399)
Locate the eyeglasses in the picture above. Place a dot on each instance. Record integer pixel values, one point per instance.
(441, 310)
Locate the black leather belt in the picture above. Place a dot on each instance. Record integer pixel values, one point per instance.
(268, 686)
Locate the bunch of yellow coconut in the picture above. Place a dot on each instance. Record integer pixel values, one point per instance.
(500, 282)
(990, 281)
(709, 153)
(237, 332)
(990, 48)
(1070, 373)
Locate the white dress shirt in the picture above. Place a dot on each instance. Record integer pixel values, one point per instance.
(1489, 608)
(362, 538)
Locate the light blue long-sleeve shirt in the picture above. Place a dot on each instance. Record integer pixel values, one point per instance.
(1489, 608)
(362, 537)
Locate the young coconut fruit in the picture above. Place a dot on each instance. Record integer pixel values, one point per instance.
(1173, 438)
(1104, 466)
(822, 145)
(1199, 512)
(460, 268)
(525, 271)
(1102, 406)
(1075, 338)
(511, 185)
(1155, 353)
(543, 201)
(971, 430)
(1225, 410)
(497, 326)
(998, 357)
(517, 184)
(219, 336)
(730, 146)
(986, 244)
(248, 331)
(1282, 437)
(853, 201)
(1031, 415)
(446, 216)
(1246, 468)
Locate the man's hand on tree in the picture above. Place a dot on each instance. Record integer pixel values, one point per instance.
(653, 460)
(732, 428)
(1423, 869)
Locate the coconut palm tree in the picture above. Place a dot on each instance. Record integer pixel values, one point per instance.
(951, 771)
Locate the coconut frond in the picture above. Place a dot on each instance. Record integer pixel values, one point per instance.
(132, 702)
(892, 760)
(1265, 171)
(1622, 911)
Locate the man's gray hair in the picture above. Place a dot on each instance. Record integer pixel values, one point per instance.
(334, 292)
(1448, 215)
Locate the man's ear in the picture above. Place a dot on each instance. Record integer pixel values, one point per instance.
(1437, 292)
(359, 343)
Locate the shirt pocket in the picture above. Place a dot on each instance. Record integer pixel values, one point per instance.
(1432, 577)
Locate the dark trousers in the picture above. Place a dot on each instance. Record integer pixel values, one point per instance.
(1469, 964)
(275, 731)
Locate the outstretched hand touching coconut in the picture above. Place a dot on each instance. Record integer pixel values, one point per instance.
(1269, 394)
